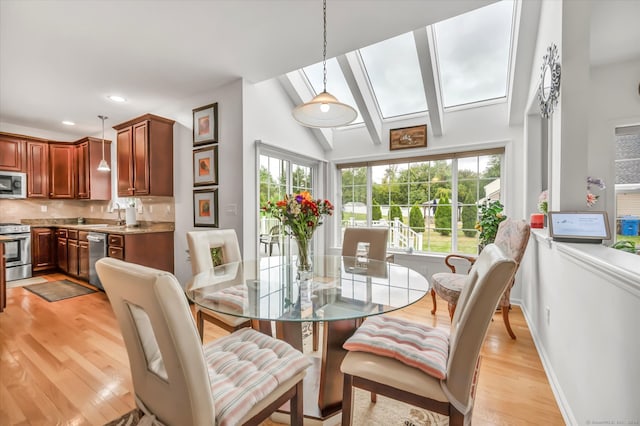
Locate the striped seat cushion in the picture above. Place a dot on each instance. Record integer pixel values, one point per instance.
(235, 297)
(244, 368)
(418, 346)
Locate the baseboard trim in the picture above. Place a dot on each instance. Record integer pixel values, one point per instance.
(561, 400)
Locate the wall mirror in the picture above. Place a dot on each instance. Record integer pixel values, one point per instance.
(549, 88)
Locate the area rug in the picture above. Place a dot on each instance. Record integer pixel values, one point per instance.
(26, 281)
(58, 290)
(385, 412)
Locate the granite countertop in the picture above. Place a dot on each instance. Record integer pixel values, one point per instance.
(106, 226)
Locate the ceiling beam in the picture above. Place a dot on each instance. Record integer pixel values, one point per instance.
(356, 79)
(294, 84)
(426, 59)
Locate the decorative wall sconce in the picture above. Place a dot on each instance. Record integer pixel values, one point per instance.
(549, 88)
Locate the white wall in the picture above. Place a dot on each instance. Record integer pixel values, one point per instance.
(590, 345)
(267, 117)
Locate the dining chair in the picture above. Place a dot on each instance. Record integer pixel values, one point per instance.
(205, 246)
(376, 238)
(237, 379)
(430, 368)
(512, 236)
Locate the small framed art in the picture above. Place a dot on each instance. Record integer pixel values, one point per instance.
(205, 166)
(205, 207)
(408, 137)
(205, 125)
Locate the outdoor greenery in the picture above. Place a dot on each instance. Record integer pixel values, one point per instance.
(416, 219)
(469, 216)
(395, 211)
(376, 211)
(443, 212)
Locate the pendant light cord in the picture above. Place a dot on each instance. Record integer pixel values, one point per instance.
(324, 47)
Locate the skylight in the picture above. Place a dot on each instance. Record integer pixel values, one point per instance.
(473, 54)
(394, 73)
(336, 84)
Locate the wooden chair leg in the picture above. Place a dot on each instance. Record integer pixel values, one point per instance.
(435, 304)
(452, 310)
(347, 400)
(297, 412)
(315, 330)
(505, 318)
(200, 324)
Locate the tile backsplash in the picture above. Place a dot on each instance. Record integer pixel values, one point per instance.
(154, 209)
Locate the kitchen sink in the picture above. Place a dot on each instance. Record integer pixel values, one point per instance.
(93, 225)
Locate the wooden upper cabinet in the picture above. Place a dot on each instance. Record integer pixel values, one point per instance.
(37, 169)
(92, 184)
(145, 156)
(12, 153)
(62, 164)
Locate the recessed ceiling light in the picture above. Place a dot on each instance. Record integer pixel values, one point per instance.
(68, 123)
(116, 98)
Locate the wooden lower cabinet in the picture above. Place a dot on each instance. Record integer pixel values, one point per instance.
(63, 264)
(150, 249)
(83, 256)
(3, 281)
(43, 249)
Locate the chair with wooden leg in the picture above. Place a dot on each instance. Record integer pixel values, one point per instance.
(430, 368)
(208, 249)
(375, 238)
(177, 380)
(512, 237)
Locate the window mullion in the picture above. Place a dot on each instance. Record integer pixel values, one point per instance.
(454, 205)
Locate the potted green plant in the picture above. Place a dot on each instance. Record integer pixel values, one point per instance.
(488, 220)
(625, 245)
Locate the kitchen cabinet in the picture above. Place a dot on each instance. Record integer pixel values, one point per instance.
(62, 170)
(145, 156)
(92, 184)
(83, 256)
(3, 279)
(72, 252)
(12, 153)
(61, 244)
(43, 249)
(37, 169)
(149, 249)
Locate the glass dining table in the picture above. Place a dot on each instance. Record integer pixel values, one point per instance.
(342, 292)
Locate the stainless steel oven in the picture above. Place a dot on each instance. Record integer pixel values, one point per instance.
(17, 247)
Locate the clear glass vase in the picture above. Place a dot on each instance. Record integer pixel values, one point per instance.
(304, 262)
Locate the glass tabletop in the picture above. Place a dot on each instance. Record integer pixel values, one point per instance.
(341, 288)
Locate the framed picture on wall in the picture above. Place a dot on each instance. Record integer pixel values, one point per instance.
(205, 166)
(205, 124)
(408, 137)
(205, 207)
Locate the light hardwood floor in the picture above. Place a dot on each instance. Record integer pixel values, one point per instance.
(65, 363)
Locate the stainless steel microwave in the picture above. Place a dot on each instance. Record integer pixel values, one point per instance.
(13, 185)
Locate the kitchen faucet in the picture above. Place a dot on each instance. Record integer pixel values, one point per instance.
(120, 221)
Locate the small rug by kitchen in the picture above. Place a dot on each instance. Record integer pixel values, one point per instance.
(58, 290)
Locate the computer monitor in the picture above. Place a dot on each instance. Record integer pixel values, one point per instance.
(579, 227)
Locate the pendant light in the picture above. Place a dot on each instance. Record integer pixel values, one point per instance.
(324, 110)
(103, 166)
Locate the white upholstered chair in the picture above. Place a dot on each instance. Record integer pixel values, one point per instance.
(201, 244)
(512, 237)
(454, 393)
(178, 381)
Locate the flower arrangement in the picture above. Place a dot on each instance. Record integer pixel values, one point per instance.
(488, 221)
(301, 215)
(543, 202)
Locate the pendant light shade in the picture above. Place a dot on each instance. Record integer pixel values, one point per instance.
(103, 166)
(324, 110)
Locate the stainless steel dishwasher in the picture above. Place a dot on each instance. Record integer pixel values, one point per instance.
(97, 250)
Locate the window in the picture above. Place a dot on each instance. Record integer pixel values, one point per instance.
(428, 204)
(394, 73)
(627, 166)
(473, 53)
